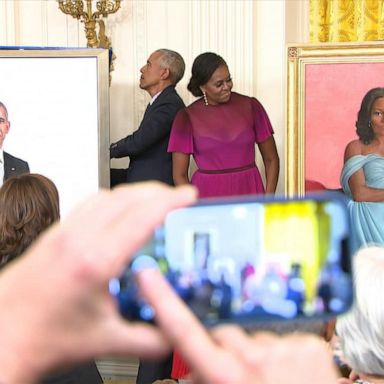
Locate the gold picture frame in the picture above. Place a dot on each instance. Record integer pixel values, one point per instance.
(325, 86)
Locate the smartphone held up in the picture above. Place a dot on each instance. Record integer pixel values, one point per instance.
(249, 259)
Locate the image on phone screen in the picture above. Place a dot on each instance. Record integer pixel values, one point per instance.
(246, 261)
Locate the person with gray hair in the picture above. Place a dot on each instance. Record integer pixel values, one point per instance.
(172, 60)
(361, 330)
(147, 146)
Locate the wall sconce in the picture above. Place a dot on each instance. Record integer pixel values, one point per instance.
(75, 8)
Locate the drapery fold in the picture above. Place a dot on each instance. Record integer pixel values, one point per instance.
(346, 20)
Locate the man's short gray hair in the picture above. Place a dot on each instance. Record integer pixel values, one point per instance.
(361, 330)
(174, 62)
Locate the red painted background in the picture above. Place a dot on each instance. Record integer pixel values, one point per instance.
(333, 94)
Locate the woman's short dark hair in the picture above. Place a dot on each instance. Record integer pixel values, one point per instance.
(202, 69)
(363, 124)
(29, 204)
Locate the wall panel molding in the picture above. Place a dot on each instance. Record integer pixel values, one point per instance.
(224, 27)
(118, 368)
(44, 23)
(3, 23)
(8, 19)
(140, 53)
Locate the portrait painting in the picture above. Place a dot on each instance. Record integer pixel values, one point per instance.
(325, 87)
(58, 107)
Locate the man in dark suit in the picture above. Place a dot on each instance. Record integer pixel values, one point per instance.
(9, 165)
(147, 150)
(14, 166)
(147, 146)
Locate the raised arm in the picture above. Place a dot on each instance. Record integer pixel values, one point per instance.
(180, 167)
(154, 128)
(271, 162)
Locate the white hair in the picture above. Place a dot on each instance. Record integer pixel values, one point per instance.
(361, 331)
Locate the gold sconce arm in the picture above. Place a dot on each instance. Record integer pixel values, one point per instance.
(75, 8)
(107, 7)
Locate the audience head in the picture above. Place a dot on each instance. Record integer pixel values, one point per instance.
(365, 123)
(361, 330)
(323, 329)
(210, 74)
(4, 123)
(29, 204)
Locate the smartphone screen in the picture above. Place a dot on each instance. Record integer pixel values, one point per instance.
(249, 259)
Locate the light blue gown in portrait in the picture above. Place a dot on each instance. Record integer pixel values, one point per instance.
(367, 218)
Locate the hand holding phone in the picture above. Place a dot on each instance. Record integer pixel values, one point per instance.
(249, 259)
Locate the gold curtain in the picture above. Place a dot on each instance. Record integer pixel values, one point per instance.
(346, 20)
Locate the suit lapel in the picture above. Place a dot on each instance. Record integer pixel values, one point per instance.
(147, 109)
(163, 93)
(9, 166)
(158, 99)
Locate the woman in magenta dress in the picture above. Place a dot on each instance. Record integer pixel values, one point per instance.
(220, 131)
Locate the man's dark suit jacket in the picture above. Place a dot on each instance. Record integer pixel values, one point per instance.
(14, 166)
(147, 146)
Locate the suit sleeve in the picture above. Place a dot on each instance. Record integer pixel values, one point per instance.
(152, 129)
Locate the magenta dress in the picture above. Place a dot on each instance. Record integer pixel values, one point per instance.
(221, 138)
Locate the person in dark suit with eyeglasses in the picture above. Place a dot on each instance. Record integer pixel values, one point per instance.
(9, 165)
